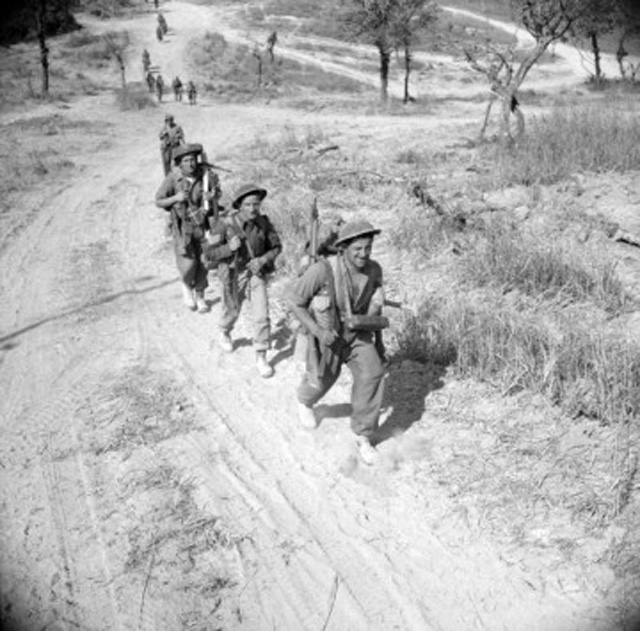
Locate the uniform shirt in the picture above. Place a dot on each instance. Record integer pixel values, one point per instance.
(171, 137)
(364, 292)
(260, 234)
(190, 220)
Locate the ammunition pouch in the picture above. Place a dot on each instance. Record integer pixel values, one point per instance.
(354, 322)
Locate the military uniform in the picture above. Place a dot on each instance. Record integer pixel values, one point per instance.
(259, 240)
(189, 222)
(171, 137)
(325, 287)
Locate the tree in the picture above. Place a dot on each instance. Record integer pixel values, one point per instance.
(597, 18)
(371, 21)
(117, 44)
(546, 21)
(410, 17)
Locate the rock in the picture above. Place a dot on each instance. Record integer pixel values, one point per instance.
(507, 198)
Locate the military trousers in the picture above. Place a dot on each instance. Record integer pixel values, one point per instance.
(358, 352)
(237, 288)
(192, 272)
(166, 154)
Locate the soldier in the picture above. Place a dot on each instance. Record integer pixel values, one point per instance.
(162, 23)
(159, 87)
(151, 82)
(177, 89)
(192, 92)
(146, 61)
(159, 33)
(171, 137)
(339, 301)
(245, 244)
(183, 194)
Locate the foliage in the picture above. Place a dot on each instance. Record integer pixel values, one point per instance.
(19, 21)
(570, 140)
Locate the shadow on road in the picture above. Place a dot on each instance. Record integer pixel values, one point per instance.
(92, 303)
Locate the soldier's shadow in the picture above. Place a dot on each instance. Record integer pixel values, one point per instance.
(407, 386)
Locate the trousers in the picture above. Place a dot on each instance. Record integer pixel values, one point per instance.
(359, 353)
(192, 272)
(238, 287)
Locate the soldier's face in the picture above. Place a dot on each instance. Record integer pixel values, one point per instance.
(358, 252)
(249, 207)
(188, 165)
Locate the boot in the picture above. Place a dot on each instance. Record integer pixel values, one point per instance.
(187, 296)
(201, 303)
(226, 343)
(264, 367)
(367, 452)
(306, 416)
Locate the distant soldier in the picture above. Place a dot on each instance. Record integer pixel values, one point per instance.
(190, 193)
(146, 61)
(272, 40)
(159, 33)
(151, 82)
(156, 3)
(192, 93)
(177, 89)
(171, 137)
(159, 87)
(162, 23)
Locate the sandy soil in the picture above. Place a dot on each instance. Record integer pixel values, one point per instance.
(149, 481)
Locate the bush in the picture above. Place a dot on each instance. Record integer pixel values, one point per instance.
(134, 97)
(606, 138)
(512, 261)
(584, 372)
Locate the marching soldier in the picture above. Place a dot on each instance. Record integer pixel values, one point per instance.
(159, 87)
(192, 93)
(339, 302)
(177, 89)
(159, 33)
(245, 245)
(162, 23)
(190, 193)
(171, 137)
(151, 82)
(146, 61)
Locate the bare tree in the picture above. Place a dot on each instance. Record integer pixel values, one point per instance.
(597, 18)
(546, 21)
(409, 18)
(117, 44)
(40, 11)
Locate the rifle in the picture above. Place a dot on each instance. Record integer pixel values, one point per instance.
(313, 231)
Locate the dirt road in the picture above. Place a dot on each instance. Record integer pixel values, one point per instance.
(149, 481)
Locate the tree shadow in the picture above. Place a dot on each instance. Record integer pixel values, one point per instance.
(92, 303)
(407, 385)
(332, 410)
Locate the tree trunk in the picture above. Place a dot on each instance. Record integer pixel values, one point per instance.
(44, 51)
(385, 61)
(122, 74)
(407, 72)
(596, 57)
(483, 129)
(621, 53)
(505, 114)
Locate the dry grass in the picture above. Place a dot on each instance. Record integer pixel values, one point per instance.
(571, 139)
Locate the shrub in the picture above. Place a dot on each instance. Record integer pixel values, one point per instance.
(507, 258)
(584, 372)
(134, 97)
(606, 138)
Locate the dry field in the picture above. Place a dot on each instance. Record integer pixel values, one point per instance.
(150, 481)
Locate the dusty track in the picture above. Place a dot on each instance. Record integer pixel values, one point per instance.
(306, 537)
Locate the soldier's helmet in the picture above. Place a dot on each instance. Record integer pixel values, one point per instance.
(355, 229)
(185, 150)
(246, 190)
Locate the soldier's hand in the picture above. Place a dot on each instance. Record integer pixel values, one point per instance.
(180, 196)
(327, 338)
(234, 243)
(255, 265)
